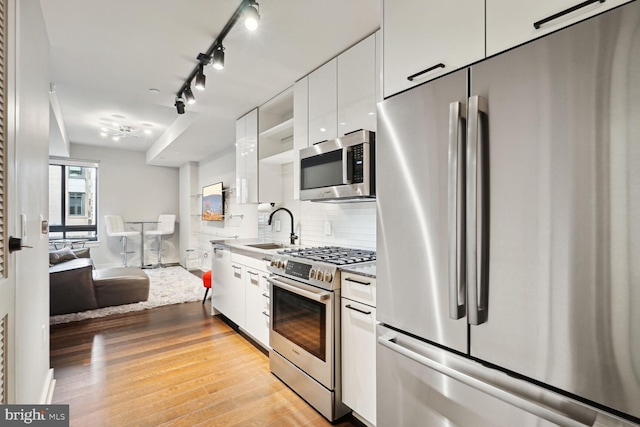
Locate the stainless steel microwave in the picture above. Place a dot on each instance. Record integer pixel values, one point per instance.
(339, 170)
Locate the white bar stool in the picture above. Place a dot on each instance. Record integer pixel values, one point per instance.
(115, 228)
(166, 226)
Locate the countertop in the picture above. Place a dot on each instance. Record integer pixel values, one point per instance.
(367, 269)
(242, 245)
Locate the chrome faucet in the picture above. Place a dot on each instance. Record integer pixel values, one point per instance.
(292, 236)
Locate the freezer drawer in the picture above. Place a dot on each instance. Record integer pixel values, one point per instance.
(420, 384)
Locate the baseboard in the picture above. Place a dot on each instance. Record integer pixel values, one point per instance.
(49, 386)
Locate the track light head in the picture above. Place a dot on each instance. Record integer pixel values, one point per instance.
(200, 78)
(218, 57)
(188, 96)
(251, 16)
(179, 105)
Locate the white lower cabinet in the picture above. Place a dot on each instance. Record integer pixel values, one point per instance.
(257, 309)
(236, 311)
(221, 278)
(359, 347)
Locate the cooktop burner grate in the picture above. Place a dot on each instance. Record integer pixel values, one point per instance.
(332, 254)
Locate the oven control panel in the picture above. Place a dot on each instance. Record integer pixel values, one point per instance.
(318, 274)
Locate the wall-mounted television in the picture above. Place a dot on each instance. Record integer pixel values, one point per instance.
(213, 202)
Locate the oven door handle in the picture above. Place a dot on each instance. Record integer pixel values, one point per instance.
(319, 296)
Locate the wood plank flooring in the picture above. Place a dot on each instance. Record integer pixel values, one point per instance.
(170, 366)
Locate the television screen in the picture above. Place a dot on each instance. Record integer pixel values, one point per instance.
(213, 202)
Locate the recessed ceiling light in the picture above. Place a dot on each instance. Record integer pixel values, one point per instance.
(103, 134)
(154, 90)
(323, 130)
(147, 124)
(147, 131)
(118, 116)
(116, 138)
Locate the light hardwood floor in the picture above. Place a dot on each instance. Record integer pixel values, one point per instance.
(174, 365)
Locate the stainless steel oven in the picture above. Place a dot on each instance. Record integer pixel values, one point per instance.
(302, 327)
(304, 330)
(340, 169)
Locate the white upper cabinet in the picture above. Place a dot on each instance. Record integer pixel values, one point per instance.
(300, 128)
(424, 39)
(357, 76)
(247, 158)
(323, 116)
(510, 23)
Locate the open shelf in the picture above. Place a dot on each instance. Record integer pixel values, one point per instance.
(280, 131)
(279, 158)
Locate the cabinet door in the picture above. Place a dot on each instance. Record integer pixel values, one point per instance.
(251, 158)
(247, 158)
(221, 276)
(419, 35)
(323, 103)
(236, 310)
(510, 23)
(300, 128)
(255, 325)
(357, 87)
(359, 358)
(241, 174)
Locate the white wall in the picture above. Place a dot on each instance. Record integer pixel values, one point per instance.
(352, 224)
(189, 189)
(32, 155)
(128, 187)
(222, 167)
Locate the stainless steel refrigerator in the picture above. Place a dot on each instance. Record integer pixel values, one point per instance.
(508, 254)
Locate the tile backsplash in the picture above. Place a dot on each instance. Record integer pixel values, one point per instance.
(321, 224)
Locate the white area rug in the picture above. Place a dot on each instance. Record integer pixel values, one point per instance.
(170, 285)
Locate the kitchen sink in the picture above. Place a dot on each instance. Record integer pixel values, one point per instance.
(267, 246)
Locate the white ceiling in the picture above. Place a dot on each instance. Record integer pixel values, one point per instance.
(107, 54)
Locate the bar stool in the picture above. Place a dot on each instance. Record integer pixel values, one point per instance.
(115, 228)
(166, 226)
(206, 282)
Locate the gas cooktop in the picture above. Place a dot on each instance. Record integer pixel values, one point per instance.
(332, 254)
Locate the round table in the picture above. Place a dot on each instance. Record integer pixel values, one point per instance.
(142, 223)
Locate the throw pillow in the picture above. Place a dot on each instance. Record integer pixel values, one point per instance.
(62, 255)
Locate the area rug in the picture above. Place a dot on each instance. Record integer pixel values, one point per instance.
(170, 285)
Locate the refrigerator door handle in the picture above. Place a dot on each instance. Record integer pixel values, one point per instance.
(475, 239)
(389, 340)
(457, 288)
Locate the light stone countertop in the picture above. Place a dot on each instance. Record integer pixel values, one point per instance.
(367, 269)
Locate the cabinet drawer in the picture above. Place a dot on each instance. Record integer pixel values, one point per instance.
(359, 288)
(255, 262)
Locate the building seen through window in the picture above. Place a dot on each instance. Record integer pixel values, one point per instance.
(73, 195)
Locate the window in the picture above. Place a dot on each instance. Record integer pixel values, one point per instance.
(73, 196)
(76, 204)
(76, 171)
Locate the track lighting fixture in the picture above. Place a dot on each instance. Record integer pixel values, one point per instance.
(251, 16)
(179, 105)
(188, 95)
(200, 78)
(246, 10)
(218, 57)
